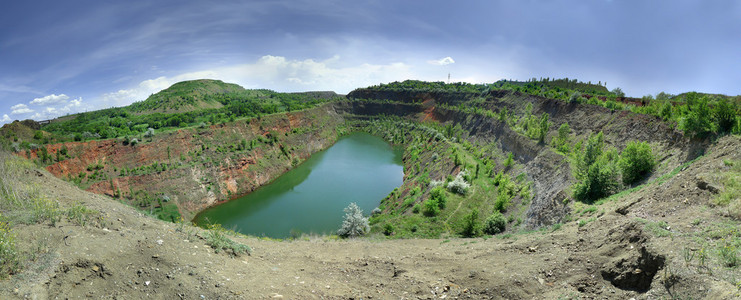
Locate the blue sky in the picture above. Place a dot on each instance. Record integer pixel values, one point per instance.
(74, 56)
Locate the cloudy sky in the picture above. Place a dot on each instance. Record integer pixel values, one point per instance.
(60, 57)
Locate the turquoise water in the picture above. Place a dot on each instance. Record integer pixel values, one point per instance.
(359, 168)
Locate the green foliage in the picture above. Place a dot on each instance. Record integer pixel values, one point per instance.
(509, 161)
(724, 116)
(388, 229)
(544, 125)
(79, 214)
(636, 161)
(10, 261)
(561, 142)
(431, 207)
(470, 224)
(495, 223)
(216, 238)
(698, 122)
(596, 171)
(354, 224)
(438, 194)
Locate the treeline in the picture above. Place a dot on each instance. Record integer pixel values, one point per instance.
(124, 121)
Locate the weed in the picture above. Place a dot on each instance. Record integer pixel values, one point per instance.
(79, 214)
(688, 254)
(216, 238)
(728, 254)
(9, 256)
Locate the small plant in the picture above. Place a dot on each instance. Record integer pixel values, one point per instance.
(728, 254)
(459, 184)
(354, 223)
(432, 207)
(388, 229)
(495, 223)
(509, 161)
(417, 208)
(216, 238)
(79, 214)
(470, 225)
(9, 256)
(688, 254)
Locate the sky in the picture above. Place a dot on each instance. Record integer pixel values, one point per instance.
(62, 57)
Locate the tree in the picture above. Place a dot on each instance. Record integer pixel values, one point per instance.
(354, 223)
(698, 122)
(470, 225)
(636, 161)
(724, 115)
(618, 92)
(544, 125)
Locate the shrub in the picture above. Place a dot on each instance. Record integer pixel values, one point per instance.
(9, 256)
(698, 123)
(598, 181)
(495, 223)
(354, 223)
(432, 207)
(724, 115)
(502, 202)
(561, 141)
(544, 125)
(636, 161)
(388, 229)
(509, 161)
(417, 208)
(459, 184)
(438, 194)
(470, 224)
(216, 238)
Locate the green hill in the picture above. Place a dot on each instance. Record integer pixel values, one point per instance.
(187, 96)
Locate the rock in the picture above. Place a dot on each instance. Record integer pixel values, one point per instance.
(703, 183)
(634, 271)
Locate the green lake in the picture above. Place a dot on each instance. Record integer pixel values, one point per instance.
(310, 198)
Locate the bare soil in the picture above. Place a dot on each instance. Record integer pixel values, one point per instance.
(620, 251)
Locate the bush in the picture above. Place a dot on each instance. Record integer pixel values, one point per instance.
(598, 181)
(459, 184)
(595, 170)
(388, 229)
(216, 238)
(432, 207)
(438, 194)
(724, 115)
(636, 161)
(495, 223)
(9, 256)
(470, 225)
(698, 122)
(354, 223)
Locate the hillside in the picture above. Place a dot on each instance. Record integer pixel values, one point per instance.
(187, 96)
(495, 177)
(658, 242)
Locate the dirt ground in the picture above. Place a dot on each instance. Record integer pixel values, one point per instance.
(631, 247)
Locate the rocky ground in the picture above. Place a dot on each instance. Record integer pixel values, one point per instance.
(661, 241)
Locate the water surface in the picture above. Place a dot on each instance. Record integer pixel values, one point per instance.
(359, 168)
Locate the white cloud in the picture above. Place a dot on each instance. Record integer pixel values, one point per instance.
(442, 62)
(20, 109)
(5, 119)
(50, 99)
(276, 73)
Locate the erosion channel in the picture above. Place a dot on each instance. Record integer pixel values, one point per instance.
(359, 168)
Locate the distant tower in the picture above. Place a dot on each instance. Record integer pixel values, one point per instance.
(448, 77)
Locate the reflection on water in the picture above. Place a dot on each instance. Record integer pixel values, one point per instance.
(359, 168)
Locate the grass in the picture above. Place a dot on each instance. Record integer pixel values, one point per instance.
(730, 195)
(216, 238)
